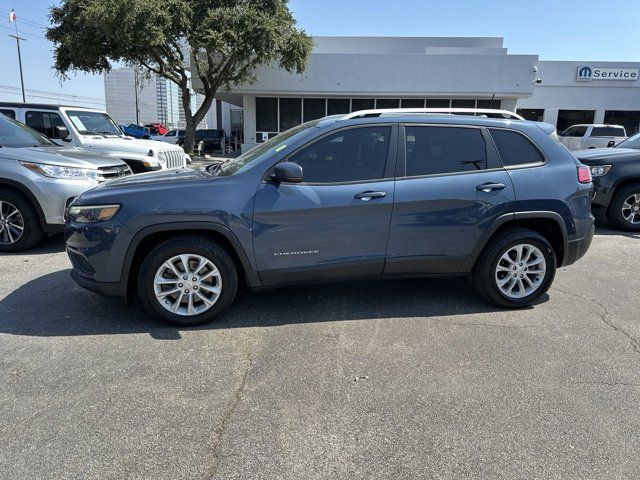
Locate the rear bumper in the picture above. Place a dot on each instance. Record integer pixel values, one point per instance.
(578, 247)
(103, 288)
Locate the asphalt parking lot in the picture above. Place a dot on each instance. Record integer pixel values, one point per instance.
(379, 379)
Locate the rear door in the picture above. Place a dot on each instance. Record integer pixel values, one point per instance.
(336, 223)
(450, 189)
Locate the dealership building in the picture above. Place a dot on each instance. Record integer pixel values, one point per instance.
(346, 74)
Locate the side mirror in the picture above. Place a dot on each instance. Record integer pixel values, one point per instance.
(287, 172)
(63, 133)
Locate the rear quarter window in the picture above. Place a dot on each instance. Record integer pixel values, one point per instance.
(608, 132)
(515, 149)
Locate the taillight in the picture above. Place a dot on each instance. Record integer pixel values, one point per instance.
(584, 174)
(612, 143)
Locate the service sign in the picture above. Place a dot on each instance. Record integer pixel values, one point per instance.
(587, 73)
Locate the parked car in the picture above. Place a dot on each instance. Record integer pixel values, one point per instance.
(580, 137)
(616, 181)
(38, 179)
(156, 128)
(96, 131)
(386, 196)
(136, 131)
(175, 137)
(211, 139)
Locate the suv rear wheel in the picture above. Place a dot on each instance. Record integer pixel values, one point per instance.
(187, 281)
(624, 211)
(19, 225)
(516, 269)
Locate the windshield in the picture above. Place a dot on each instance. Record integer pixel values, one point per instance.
(93, 122)
(275, 144)
(16, 135)
(631, 142)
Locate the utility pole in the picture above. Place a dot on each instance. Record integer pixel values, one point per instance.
(13, 18)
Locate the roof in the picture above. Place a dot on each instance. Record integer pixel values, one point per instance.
(44, 106)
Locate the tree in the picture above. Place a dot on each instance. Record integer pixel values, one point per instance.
(225, 39)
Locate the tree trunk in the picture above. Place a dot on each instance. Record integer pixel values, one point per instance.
(193, 120)
(190, 130)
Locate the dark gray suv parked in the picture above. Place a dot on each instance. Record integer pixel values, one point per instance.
(377, 195)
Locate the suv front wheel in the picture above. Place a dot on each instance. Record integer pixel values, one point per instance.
(187, 281)
(516, 269)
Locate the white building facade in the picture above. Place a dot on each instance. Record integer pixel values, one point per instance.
(346, 74)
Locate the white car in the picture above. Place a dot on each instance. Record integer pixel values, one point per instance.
(175, 137)
(583, 137)
(96, 131)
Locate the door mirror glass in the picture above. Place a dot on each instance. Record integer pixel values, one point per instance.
(287, 172)
(63, 133)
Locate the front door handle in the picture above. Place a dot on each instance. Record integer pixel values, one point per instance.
(369, 195)
(488, 187)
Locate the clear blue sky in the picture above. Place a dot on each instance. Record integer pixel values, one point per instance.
(555, 30)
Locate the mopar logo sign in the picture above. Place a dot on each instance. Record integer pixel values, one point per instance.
(584, 73)
(587, 73)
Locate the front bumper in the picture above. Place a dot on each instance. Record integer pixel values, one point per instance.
(578, 247)
(107, 289)
(54, 195)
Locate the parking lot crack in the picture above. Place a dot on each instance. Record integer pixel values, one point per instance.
(603, 313)
(228, 414)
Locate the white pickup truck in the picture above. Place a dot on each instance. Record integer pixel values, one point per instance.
(582, 137)
(95, 131)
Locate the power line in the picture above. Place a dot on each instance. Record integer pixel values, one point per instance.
(54, 93)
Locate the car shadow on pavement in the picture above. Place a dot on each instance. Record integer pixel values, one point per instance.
(51, 244)
(53, 305)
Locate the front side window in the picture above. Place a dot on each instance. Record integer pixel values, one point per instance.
(45, 123)
(438, 150)
(514, 148)
(15, 135)
(171, 133)
(352, 155)
(94, 122)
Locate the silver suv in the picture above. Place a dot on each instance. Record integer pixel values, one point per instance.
(38, 179)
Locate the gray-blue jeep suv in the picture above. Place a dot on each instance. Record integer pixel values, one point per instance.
(357, 196)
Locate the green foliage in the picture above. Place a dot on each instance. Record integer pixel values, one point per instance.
(228, 39)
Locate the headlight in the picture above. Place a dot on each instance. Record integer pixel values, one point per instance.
(92, 213)
(58, 171)
(600, 170)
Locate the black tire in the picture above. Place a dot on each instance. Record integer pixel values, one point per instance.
(484, 274)
(187, 245)
(614, 214)
(32, 233)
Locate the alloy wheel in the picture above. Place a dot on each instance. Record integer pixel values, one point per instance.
(631, 209)
(520, 271)
(11, 223)
(187, 284)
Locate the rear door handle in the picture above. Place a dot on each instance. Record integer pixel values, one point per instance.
(369, 195)
(488, 187)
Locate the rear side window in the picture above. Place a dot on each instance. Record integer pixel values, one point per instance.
(45, 123)
(608, 132)
(438, 150)
(352, 155)
(8, 113)
(514, 148)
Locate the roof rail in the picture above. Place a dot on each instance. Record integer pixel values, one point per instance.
(478, 112)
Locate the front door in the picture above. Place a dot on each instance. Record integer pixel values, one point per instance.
(450, 189)
(336, 223)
